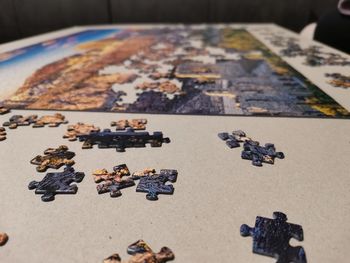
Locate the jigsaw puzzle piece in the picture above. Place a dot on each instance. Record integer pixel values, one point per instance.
(50, 120)
(135, 124)
(113, 182)
(57, 183)
(142, 253)
(233, 140)
(4, 110)
(79, 129)
(2, 134)
(259, 154)
(19, 120)
(271, 238)
(155, 184)
(3, 238)
(53, 158)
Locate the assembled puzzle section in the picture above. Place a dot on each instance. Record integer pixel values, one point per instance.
(57, 183)
(141, 253)
(271, 238)
(113, 182)
(155, 184)
(53, 158)
(120, 140)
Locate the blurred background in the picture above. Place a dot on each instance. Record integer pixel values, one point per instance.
(23, 18)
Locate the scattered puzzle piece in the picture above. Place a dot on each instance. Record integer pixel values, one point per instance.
(339, 80)
(154, 184)
(233, 140)
(50, 120)
(4, 110)
(135, 124)
(259, 154)
(114, 181)
(3, 238)
(271, 238)
(142, 253)
(2, 134)
(19, 120)
(121, 140)
(53, 158)
(79, 129)
(57, 183)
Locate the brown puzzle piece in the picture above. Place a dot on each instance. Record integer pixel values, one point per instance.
(53, 158)
(19, 120)
(136, 124)
(3, 238)
(50, 120)
(4, 110)
(141, 253)
(2, 134)
(79, 129)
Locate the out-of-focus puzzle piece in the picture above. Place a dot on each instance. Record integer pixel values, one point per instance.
(50, 120)
(57, 183)
(142, 253)
(155, 184)
(4, 110)
(271, 238)
(260, 154)
(79, 129)
(233, 140)
(113, 182)
(120, 140)
(339, 80)
(19, 120)
(2, 134)
(53, 158)
(3, 238)
(135, 124)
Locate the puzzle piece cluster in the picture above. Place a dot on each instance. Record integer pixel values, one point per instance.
(57, 183)
(251, 149)
(135, 124)
(120, 140)
(271, 238)
(141, 253)
(53, 158)
(151, 183)
(3, 238)
(79, 129)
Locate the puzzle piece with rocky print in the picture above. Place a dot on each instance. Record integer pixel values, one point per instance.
(155, 184)
(57, 183)
(113, 182)
(2, 134)
(271, 238)
(135, 124)
(53, 158)
(260, 154)
(50, 120)
(79, 129)
(142, 253)
(120, 140)
(4, 110)
(233, 140)
(19, 120)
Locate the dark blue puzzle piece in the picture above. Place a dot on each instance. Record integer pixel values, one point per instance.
(120, 140)
(233, 140)
(271, 238)
(57, 183)
(155, 184)
(260, 154)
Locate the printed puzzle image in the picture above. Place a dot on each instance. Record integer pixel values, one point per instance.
(177, 70)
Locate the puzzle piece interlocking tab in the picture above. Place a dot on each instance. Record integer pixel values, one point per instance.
(141, 253)
(155, 184)
(53, 158)
(57, 183)
(271, 238)
(113, 182)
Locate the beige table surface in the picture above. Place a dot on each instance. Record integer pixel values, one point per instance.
(215, 193)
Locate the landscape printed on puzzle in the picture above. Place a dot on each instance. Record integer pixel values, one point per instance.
(174, 70)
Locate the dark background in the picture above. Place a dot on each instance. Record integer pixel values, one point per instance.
(23, 18)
